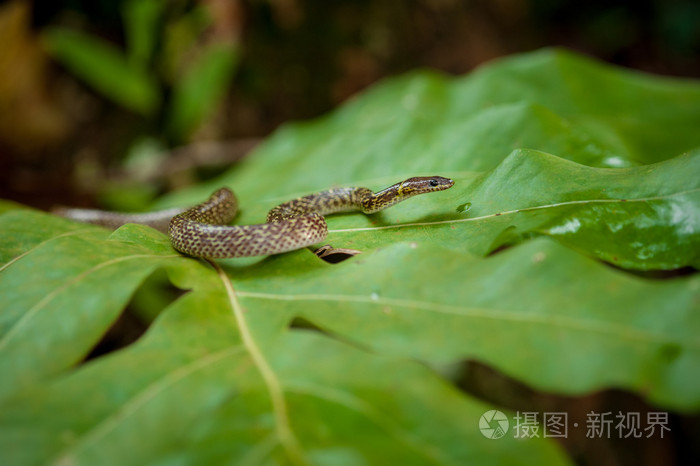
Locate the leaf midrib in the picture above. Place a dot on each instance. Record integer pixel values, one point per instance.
(279, 405)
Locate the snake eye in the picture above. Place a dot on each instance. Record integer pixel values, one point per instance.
(433, 183)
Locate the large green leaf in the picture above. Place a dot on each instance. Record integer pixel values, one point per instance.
(252, 391)
(515, 310)
(508, 268)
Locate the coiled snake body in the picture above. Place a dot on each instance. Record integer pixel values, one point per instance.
(202, 230)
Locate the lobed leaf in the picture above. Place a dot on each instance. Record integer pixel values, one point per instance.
(540, 312)
(507, 267)
(191, 389)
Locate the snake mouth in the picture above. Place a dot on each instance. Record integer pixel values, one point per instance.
(441, 183)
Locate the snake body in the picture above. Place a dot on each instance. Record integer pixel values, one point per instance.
(202, 230)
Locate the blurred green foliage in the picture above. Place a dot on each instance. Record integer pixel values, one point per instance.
(172, 72)
(105, 68)
(167, 71)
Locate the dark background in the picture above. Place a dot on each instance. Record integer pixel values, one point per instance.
(60, 139)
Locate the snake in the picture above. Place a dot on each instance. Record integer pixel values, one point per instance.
(203, 230)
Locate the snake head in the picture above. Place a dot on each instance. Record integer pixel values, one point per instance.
(401, 191)
(424, 184)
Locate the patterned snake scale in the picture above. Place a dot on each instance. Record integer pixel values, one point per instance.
(202, 230)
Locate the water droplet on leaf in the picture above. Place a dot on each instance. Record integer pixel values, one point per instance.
(464, 207)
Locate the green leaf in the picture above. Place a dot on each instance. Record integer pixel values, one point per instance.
(181, 40)
(6, 205)
(23, 229)
(508, 268)
(104, 68)
(141, 25)
(200, 387)
(539, 312)
(645, 218)
(653, 118)
(196, 95)
(32, 345)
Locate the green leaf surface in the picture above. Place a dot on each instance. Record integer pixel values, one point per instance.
(539, 312)
(23, 229)
(104, 68)
(510, 267)
(302, 398)
(32, 345)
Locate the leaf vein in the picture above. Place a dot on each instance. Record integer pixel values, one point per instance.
(27, 316)
(569, 323)
(515, 211)
(138, 401)
(257, 454)
(62, 235)
(380, 419)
